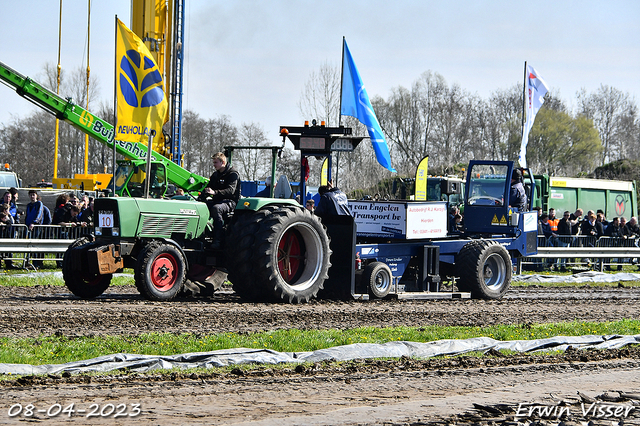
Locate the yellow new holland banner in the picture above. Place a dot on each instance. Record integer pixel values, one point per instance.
(142, 104)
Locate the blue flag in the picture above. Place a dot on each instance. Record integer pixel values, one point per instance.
(355, 103)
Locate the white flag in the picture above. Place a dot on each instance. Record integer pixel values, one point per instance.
(535, 90)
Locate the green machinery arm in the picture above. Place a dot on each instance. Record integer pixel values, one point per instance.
(95, 127)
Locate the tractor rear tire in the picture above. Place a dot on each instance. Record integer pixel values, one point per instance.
(241, 248)
(82, 283)
(286, 257)
(160, 271)
(485, 269)
(378, 278)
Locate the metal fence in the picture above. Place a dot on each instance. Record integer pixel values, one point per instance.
(565, 252)
(24, 248)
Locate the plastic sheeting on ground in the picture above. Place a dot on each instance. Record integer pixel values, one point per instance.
(227, 357)
(582, 277)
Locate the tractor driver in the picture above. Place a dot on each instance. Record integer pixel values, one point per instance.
(221, 195)
(517, 195)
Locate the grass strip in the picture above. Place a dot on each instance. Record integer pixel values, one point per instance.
(58, 349)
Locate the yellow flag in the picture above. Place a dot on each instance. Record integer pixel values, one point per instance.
(324, 171)
(142, 103)
(421, 180)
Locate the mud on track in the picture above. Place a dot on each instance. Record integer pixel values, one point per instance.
(396, 392)
(31, 311)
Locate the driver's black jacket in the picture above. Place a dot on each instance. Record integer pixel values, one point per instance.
(225, 185)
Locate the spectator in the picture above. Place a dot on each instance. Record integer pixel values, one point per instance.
(62, 206)
(457, 222)
(17, 214)
(564, 229)
(591, 229)
(553, 220)
(605, 222)
(614, 233)
(86, 215)
(613, 230)
(550, 236)
(266, 192)
(83, 203)
(600, 218)
(539, 211)
(46, 220)
(6, 220)
(624, 231)
(565, 239)
(575, 223)
(634, 229)
(333, 202)
(453, 211)
(35, 216)
(35, 211)
(8, 199)
(310, 205)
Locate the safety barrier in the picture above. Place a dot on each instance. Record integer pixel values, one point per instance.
(19, 245)
(580, 250)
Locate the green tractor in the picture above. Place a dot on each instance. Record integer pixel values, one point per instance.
(275, 249)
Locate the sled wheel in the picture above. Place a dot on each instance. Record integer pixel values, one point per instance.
(485, 269)
(378, 278)
(160, 271)
(82, 283)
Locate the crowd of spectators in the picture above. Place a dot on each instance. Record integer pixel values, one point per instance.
(586, 230)
(70, 211)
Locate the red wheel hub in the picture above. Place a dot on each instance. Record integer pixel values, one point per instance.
(164, 272)
(290, 256)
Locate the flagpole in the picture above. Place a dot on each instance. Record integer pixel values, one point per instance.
(339, 114)
(86, 136)
(341, 79)
(524, 99)
(56, 139)
(115, 101)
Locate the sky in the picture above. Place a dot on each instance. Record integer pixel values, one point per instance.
(250, 60)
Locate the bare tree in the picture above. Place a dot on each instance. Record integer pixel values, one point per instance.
(193, 137)
(252, 164)
(614, 114)
(71, 141)
(320, 98)
(27, 144)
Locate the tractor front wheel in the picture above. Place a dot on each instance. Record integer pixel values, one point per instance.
(160, 271)
(77, 278)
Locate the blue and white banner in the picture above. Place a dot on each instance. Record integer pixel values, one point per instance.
(355, 103)
(535, 89)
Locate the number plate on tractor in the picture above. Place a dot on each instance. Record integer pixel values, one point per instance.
(105, 219)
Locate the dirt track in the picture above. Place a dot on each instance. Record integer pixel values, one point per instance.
(394, 392)
(29, 311)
